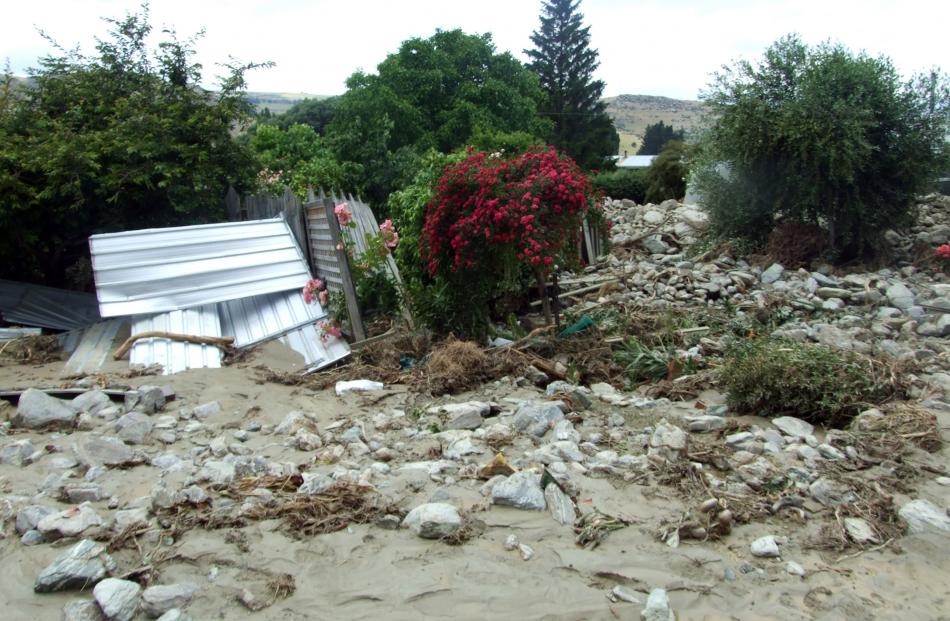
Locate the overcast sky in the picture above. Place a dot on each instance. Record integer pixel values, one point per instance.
(666, 47)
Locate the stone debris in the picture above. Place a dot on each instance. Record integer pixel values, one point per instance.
(657, 607)
(80, 567)
(521, 490)
(159, 599)
(923, 516)
(765, 547)
(118, 599)
(36, 410)
(433, 520)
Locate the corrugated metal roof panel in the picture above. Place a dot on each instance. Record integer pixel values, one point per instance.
(93, 347)
(306, 342)
(157, 270)
(258, 318)
(175, 356)
(47, 307)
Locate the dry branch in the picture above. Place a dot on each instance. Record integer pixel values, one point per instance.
(218, 341)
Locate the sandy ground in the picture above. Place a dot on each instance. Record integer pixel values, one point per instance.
(365, 572)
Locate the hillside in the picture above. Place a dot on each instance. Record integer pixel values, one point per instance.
(632, 114)
(278, 103)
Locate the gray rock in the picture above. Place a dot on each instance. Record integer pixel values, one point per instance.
(657, 607)
(667, 441)
(80, 567)
(705, 424)
(794, 427)
(827, 293)
(205, 410)
(829, 452)
(32, 538)
(82, 610)
(765, 547)
(149, 399)
(860, 531)
(83, 492)
(295, 421)
(464, 415)
(831, 493)
(92, 402)
(134, 427)
(175, 614)
(559, 504)
(536, 418)
(655, 244)
(17, 454)
(29, 516)
(794, 569)
(118, 599)
(217, 472)
(923, 516)
(159, 599)
(130, 518)
(36, 410)
(433, 520)
(521, 490)
(900, 296)
(772, 274)
(106, 451)
(69, 523)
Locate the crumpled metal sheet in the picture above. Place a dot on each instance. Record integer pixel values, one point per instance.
(158, 270)
(47, 307)
(177, 356)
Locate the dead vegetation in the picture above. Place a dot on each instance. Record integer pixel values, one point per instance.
(38, 349)
(276, 497)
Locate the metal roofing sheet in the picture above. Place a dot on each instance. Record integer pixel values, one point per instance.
(155, 270)
(91, 347)
(258, 318)
(306, 342)
(176, 356)
(47, 307)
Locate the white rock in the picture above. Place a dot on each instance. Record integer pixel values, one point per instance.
(657, 607)
(773, 273)
(794, 569)
(69, 523)
(521, 490)
(118, 599)
(360, 385)
(794, 427)
(765, 547)
(159, 599)
(860, 531)
(923, 516)
(559, 504)
(433, 520)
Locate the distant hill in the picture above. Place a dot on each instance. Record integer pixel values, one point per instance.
(632, 114)
(278, 103)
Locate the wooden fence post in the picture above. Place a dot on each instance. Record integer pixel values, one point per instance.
(349, 290)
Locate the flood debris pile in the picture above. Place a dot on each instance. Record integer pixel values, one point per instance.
(618, 437)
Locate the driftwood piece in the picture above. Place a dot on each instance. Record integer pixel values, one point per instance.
(217, 341)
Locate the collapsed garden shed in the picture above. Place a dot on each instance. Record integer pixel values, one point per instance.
(236, 279)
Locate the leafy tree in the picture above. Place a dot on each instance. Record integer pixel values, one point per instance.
(666, 176)
(432, 93)
(565, 64)
(296, 158)
(821, 136)
(121, 139)
(317, 113)
(655, 137)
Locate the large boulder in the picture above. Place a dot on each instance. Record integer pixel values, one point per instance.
(36, 410)
(433, 520)
(80, 567)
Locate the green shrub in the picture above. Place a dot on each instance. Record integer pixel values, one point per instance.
(666, 176)
(619, 184)
(774, 377)
(820, 136)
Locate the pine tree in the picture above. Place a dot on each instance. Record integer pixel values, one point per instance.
(565, 65)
